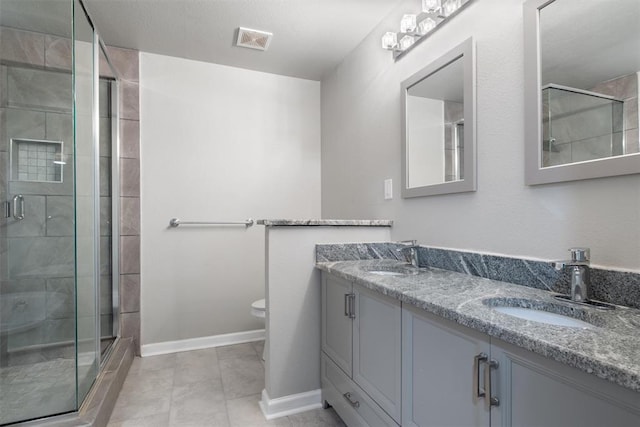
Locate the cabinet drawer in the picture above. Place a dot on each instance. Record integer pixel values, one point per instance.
(336, 386)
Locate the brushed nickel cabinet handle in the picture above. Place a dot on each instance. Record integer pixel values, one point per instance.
(353, 403)
(489, 400)
(347, 305)
(477, 393)
(352, 306)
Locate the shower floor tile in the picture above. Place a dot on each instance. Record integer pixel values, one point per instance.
(212, 387)
(37, 389)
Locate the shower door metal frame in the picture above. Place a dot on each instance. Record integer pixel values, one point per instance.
(95, 117)
(115, 196)
(99, 46)
(115, 204)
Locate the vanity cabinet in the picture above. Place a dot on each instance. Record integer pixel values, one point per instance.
(536, 391)
(450, 372)
(361, 361)
(441, 382)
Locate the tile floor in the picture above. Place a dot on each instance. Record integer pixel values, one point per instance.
(32, 390)
(212, 387)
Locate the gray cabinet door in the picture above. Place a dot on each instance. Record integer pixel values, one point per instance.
(536, 391)
(377, 345)
(336, 323)
(438, 372)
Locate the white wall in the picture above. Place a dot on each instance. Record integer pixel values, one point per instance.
(293, 299)
(361, 117)
(426, 133)
(217, 143)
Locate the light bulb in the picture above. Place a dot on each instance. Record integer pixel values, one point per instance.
(406, 42)
(450, 6)
(429, 6)
(389, 40)
(408, 24)
(426, 25)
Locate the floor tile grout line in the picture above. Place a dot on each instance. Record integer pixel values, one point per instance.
(173, 385)
(256, 354)
(226, 404)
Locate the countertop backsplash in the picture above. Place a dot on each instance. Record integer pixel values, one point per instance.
(615, 287)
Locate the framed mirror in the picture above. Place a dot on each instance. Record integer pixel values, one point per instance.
(438, 132)
(582, 66)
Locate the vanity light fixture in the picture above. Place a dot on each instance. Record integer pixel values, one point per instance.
(450, 6)
(408, 24)
(426, 25)
(414, 28)
(389, 40)
(406, 42)
(430, 6)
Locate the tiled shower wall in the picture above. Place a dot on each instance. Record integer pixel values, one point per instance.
(126, 63)
(626, 89)
(41, 63)
(586, 128)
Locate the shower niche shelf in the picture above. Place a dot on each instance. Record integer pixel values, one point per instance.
(36, 160)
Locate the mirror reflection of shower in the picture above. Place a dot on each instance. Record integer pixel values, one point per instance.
(580, 125)
(454, 151)
(589, 72)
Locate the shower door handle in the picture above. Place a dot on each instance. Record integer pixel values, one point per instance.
(18, 207)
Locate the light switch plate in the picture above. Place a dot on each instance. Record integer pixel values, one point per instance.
(388, 189)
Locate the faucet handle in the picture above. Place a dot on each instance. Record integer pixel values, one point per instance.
(580, 254)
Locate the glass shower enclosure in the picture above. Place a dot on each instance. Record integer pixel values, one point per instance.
(58, 200)
(579, 125)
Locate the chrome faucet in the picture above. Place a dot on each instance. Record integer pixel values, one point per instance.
(578, 266)
(410, 252)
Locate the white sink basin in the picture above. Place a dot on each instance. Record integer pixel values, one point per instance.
(543, 317)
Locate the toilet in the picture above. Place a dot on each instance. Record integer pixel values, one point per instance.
(258, 309)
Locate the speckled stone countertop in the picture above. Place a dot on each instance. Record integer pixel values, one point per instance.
(326, 222)
(609, 350)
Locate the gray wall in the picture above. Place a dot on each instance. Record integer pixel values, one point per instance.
(219, 144)
(361, 147)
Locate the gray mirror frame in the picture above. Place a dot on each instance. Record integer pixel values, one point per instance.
(466, 51)
(534, 173)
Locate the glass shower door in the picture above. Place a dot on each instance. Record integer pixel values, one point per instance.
(37, 260)
(87, 200)
(49, 209)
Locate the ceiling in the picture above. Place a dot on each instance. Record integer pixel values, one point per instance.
(585, 42)
(310, 37)
(446, 84)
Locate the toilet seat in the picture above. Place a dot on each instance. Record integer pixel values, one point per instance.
(258, 308)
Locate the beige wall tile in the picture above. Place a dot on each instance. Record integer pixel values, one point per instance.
(21, 46)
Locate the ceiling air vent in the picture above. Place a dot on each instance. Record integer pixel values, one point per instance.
(253, 39)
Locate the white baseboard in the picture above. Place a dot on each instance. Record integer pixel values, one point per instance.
(201, 342)
(289, 405)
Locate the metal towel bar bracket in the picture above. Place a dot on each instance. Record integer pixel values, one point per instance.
(175, 222)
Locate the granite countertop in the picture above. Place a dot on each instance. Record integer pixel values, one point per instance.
(326, 222)
(608, 350)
